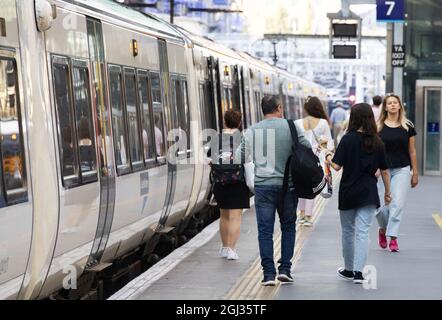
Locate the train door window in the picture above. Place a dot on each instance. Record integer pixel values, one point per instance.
(248, 108)
(292, 108)
(234, 94)
(258, 106)
(132, 116)
(83, 115)
(13, 185)
(147, 136)
(226, 100)
(186, 112)
(63, 101)
(119, 133)
(180, 110)
(158, 114)
(206, 106)
(177, 103)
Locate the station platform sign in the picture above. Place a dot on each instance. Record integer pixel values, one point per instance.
(390, 10)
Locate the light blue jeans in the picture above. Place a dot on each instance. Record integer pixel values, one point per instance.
(356, 225)
(389, 217)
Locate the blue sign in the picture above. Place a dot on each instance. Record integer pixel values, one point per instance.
(433, 128)
(390, 10)
(221, 2)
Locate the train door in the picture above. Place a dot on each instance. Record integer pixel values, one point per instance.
(15, 207)
(104, 142)
(182, 149)
(169, 124)
(215, 86)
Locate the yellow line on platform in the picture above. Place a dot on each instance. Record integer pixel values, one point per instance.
(438, 219)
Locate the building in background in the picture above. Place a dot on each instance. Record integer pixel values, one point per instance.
(302, 47)
(421, 83)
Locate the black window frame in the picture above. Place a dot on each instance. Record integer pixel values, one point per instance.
(22, 193)
(78, 179)
(122, 169)
(141, 73)
(73, 180)
(92, 176)
(161, 159)
(176, 81)
(139, 165)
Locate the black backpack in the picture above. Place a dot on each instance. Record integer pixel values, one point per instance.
(228, 173)
(305, 169)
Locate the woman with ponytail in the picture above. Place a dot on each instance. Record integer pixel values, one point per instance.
(360, 153)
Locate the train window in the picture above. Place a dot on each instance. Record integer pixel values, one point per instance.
(292, 108)
(157, 114)
(119, 133)
(63, 101)
(177, 104)
(248, 107)
(83, 114)
(132, 119)
(187, 111)
(258, 106)
(179, 113)
(13, 187)
(226, 100)
(234, 94)
(143, 87)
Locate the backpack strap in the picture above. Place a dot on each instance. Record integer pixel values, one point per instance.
(293, 131)
(285, 184)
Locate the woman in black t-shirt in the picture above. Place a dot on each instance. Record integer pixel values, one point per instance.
(360, 153)
(398, 135)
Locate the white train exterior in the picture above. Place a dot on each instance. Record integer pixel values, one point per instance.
(88, 92)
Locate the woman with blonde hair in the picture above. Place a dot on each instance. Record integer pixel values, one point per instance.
(398, 135)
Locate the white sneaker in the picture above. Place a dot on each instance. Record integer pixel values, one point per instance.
(223, 252)
(231, 254)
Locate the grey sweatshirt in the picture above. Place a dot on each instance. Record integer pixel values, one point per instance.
(268, 144)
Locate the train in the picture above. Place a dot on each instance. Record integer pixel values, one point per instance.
(89, 90)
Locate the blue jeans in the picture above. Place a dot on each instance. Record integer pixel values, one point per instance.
(267, 201)
(390, 217)
(355, 225)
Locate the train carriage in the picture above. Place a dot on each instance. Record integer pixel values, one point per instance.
(93, 98)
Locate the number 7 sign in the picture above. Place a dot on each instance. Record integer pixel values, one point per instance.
(390, 10)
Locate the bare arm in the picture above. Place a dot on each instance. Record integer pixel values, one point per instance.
(386, 179)
(335, 166)
(413, 157)
(328, 158)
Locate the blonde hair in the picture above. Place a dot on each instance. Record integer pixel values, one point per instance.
(405, 123)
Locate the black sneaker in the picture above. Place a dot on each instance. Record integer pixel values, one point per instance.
(346, 274)
(359, 278)
(285, 277)
(268, 281)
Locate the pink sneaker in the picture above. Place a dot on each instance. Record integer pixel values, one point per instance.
(394, 246)
(382, 240)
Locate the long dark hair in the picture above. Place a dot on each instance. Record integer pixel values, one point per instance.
(362, 117)
(313, 106)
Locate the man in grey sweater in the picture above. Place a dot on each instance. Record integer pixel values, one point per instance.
(269, 144)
